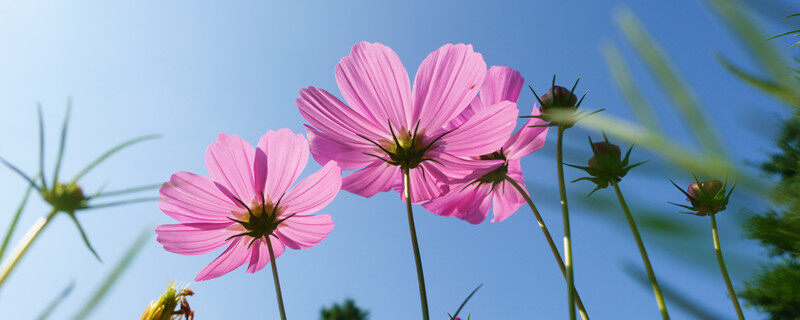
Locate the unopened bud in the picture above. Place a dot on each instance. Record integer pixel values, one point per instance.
(172, 305)
(604, 152)
(558, 97)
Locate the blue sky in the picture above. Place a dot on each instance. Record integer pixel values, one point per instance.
(189, 70)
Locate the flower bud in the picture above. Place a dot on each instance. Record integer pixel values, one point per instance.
(172, 305)
(712, 187)
(707, 197)
(558, 97)
(66, 197)
(604, 152)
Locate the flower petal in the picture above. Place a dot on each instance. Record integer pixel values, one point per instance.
(325, 148)
(233, 257)
(374, 81)
(483, 133)
(304, 231)
(458, 170)
(191, 198)
(327, 114)
(259, 253)
(314, 192)
(466, 202)
(286, 156)
(446, 82)
(229, 161)
(427, 183)
(501, 84)
(376, 177)
(506, 198)
(193, 238)
(528, 139)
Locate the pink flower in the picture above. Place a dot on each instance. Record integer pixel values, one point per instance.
(470, 201)
(388, 126)
(246, 200)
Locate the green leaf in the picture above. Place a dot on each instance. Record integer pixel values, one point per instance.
(56, 301)
(767, 86)
(112, 151)
(83, 235)
(111, 279)
(14, 221)
(465, 301)
(63, 141)
(624, 80)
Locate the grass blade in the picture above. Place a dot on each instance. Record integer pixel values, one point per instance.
(112, 151)
(624, 80)
(41, 146)
(119, 203)
(56, 301)
(14, 222)
(20, 173)
(112, 278)
(63, 141)
(466, 300)
(126, 191)
(84, 236)
(670, 80)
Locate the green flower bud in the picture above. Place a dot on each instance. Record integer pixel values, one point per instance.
(172, 305)
(706, 197)
(606, 166)
(66, 197)
(558, 97)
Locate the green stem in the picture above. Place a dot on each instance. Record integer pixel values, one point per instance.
(423, 296)
(275, 279)
(14, 222)
(650, 274)
(11, 261)
(551, 243)
(565, 216)
(724, 270)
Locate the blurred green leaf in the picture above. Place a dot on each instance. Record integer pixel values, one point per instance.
(111, 279)
(624, 80)
(56, 301)
(14, 221)
(112, 151)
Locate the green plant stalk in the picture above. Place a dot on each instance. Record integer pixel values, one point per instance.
(14, 221)
(552, 244)
(423, 296)
(723, 269)
(22, 246)
(662, 306)
(278, 294)
(565, 216)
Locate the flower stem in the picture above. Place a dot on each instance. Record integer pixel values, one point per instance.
(565, 216)
(724, 270)
(650, 274)
(551, 243)
(423, 296)
(275, 279)
(22, 246)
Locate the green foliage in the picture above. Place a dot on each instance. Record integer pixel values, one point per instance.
(345, 311)
(775, 291)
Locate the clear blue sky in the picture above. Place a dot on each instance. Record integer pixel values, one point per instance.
(189, 70)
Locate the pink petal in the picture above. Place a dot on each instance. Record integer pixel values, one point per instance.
(233, 257)
(483, 133)
(304, 231)
(462, 117)
(466, 202)
(229, 161)
(427, 183)
(459, 170)
(194, 238)
(259, 253)
(191, 198)
(376, 177)
(374, 81)
(325, 148)
(286, 157)
(342, 124)
(501, 84)
(528, 139)
(506, 198)
(314, 192)
(446, 83)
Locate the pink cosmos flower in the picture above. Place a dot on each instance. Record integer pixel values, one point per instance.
(470, 201)
(247, 199)
(388, 127)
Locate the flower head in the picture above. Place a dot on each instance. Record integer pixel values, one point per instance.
(388, 126)
(707, 197)
(246, 200)
(472, 199)
(558, 97)
(560, 106)
(606, 166)
(172, 305)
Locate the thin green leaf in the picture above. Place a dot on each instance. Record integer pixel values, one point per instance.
(56, 301)
(112, 278)
(14, 222)
(63, 141)
(678, 91)
(41, 146)
(774, 89)
(624, 80)
(466, 300)
(119, 203)
(84, 236)
(14, 168)
(112, 151)
(127, 191)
